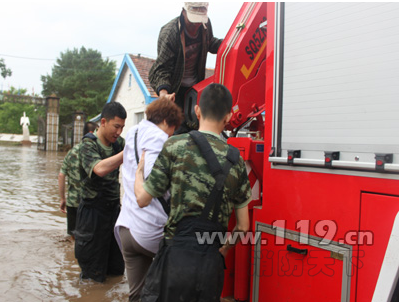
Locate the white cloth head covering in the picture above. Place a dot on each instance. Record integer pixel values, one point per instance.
(197, 12)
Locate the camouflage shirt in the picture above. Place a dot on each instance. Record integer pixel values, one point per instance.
(181, 167)
(91, 153)
(70, 168)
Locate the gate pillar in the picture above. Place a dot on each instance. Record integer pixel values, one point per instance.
(52, 113)
(78, 125)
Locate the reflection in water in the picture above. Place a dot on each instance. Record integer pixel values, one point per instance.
(37, 257)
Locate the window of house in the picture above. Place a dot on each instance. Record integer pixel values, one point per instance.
(139, 117)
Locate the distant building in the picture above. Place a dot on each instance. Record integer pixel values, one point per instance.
(133, 90)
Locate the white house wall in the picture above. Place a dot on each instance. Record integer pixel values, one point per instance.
(131, 97)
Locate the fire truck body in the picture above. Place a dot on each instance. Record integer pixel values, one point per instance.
(325, 175)
(330, 183)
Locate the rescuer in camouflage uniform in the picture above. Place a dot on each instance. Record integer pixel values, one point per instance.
(181, 168)
(101, 154)
(190, 186)
(70, 168)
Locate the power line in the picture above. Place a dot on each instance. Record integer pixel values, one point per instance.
(43, 59)
(4, 55)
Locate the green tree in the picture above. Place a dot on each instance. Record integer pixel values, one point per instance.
(4, 70)
(82, 80)
(14, 91)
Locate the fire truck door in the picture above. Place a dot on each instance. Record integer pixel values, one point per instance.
(376, 221)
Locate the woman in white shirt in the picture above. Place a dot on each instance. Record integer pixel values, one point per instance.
(138, 231)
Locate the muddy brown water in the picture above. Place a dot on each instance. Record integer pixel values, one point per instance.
(36, 255)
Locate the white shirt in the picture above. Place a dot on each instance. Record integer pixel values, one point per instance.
(145, 224)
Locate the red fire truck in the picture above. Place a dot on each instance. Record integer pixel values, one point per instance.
(316, 87)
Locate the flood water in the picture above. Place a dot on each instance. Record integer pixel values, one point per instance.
(36, 255)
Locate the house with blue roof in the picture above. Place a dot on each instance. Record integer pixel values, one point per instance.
(132, 89)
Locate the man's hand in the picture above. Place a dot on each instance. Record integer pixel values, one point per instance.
(61, 190)
(164, 93)
(223, 250)
(63, 205)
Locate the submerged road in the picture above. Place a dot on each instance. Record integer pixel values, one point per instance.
(37, 256)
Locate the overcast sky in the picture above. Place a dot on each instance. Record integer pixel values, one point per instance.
(35, 32)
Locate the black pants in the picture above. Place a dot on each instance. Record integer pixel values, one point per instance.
(185, 126)
(96, 249)
(184, 270)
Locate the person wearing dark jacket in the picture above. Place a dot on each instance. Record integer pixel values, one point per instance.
(183, 44)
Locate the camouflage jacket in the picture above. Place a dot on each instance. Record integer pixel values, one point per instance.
(70, 168)
(181, 167)
(91, 152)
(168, 69)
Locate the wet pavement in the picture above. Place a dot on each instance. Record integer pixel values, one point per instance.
(37, 256)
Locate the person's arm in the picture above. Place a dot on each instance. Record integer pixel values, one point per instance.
(161, 73)
(61, 190)
(213, 42)
(142, 197)
(241, 198)
(104, 167)
(241, 227)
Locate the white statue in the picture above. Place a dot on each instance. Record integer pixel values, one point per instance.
(25, 130)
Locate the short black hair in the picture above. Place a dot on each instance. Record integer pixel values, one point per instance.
(215, 102)
(89, 127)
(112, 110)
